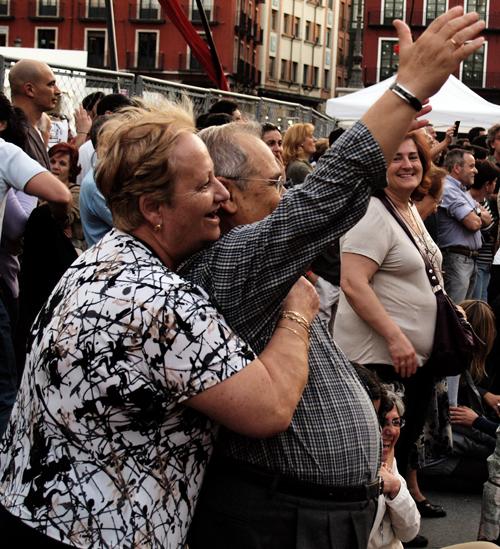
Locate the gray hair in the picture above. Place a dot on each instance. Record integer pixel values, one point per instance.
(226, 146)
(455, 156)
(396, 401)
(492, 132)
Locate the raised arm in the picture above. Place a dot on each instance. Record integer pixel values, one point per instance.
(424, 67)
(252, 268)
(259, 401)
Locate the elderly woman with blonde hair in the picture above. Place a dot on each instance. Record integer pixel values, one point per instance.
(130, 366)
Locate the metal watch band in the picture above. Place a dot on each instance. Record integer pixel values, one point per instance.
(406, 95)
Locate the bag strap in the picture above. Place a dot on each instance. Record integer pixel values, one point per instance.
(429, 269)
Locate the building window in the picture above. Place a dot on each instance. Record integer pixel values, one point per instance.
(295, 70)
(284, 70)
(296, 27)
(149, 10)
(326, 79)
(96, 9)
(305, 75)
(328, 38)
(4, 7)
(317, 33)
(4, 36)
(46, 39)
(207, 8)
(272, 67)
(389, 58)
(274, 20)
(315, 82)
(146, 50)
(96, 48)
(473, 69)
(481, 6)
(286, 23)
(47, 8)
(393, 9)
(354, 13)
(434, 9)
(307, 34)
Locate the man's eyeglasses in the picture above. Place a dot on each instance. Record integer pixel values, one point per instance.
(394, 422)
(279, 183)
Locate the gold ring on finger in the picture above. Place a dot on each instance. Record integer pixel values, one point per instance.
(455, 43)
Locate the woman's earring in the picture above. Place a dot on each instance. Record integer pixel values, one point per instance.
(157, 228)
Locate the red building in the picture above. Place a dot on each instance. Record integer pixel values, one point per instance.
(147, 42)
(480, 71)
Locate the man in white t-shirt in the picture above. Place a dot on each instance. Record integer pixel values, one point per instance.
(19, 171)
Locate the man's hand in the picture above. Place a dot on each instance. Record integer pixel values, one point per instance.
(424, 66)
(493, 401)
(83, 122)
(448, 136)
(462, 415)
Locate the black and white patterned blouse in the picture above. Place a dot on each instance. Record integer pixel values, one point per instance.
(99, 451)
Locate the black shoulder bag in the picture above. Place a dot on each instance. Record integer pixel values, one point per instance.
(454, 338)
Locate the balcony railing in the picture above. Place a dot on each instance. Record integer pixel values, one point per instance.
(7, 9)
(91, 11)
(45, 10)
(140, 62)
(145, 12)
(492, 79)
(421, 19)
(212, 14)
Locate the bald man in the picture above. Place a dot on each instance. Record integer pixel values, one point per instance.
(34, 90)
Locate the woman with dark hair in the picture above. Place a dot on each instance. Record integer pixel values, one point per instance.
(473, 434)
(64, 165)
(18, 207)
(49, 246)
(387, 309)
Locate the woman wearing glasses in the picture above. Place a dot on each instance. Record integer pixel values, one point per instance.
(397, 517)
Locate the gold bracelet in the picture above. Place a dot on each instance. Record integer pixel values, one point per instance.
(296, 317)
(296, 333)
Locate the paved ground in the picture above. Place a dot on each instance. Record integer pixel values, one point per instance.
(461, 523)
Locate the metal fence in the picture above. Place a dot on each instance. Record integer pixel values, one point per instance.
(75, 83)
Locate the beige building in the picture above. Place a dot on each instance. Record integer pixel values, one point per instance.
(305, 46)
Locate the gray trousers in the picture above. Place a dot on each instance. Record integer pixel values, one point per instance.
(234, 513)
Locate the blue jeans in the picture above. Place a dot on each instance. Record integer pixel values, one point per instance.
(459, 275)
(8, 369)
(482, 282)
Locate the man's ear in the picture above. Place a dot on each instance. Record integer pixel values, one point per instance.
(29, 89)
(230, 206)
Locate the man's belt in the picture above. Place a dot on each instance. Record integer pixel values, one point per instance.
(462, 250)
(294, 487)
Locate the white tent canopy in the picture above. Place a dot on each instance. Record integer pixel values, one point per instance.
(454, 101)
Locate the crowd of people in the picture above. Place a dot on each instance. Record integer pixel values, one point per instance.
(218, 333)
